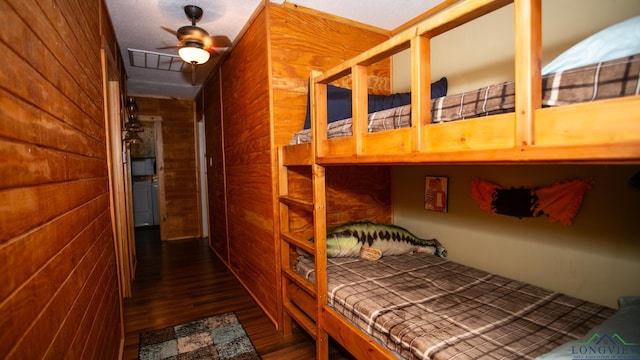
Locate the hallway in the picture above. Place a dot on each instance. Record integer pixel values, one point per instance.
(180, 281)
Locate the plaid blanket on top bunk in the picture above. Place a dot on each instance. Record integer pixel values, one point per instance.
(605, 80)
(425, 307)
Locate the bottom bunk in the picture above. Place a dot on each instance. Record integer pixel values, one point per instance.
(421, 306)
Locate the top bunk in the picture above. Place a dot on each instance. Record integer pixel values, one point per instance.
(530, 119)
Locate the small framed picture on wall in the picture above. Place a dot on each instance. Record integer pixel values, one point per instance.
(435, 193)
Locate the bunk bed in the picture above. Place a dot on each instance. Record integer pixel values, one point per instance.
(524, 131)
(420, 306)
(602, 80)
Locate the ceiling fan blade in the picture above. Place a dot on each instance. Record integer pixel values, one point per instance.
(167, 47)
(171, 31)
(192, 32)
(218, 41)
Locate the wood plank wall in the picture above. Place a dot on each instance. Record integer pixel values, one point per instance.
(180, 217)
(264, 87)
(58, 292)
(247, 144)
(303, 40)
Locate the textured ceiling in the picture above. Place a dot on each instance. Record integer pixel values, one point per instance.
(157, 72)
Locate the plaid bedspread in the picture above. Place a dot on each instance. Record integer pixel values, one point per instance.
(610, 79)
(424, 307)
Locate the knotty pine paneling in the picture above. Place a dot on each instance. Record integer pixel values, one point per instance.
(32, 165)
(247, 131)
(56, 63)
(50, 292)
(182, 216)
(357, 193)
(301, 42)
(354, 193)
(18, 266)
(35, 203)
(263, 104)
(44, 129)
(56, 243)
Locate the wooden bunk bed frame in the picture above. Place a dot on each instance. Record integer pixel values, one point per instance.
(531, 134)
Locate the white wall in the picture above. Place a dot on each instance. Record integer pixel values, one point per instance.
(481, 52)
(598, 258)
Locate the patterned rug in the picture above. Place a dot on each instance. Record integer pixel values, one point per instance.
(217, 337)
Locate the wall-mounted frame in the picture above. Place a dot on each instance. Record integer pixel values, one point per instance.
(436, 193)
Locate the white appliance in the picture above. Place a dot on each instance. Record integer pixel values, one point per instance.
(142, 167)
(145, 192)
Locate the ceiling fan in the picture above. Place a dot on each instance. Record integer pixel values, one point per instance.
(195, 46)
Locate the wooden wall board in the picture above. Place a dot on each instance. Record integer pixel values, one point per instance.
(356, 193)
(70, 329)
(29, 207)
(19, 265)
(44, 129)
(52, 291)
(302, 41)
(245, 102)
(31, 165)
(83, 341)
(37, 89)
(55, 212)
(263, 91)
(32, 25)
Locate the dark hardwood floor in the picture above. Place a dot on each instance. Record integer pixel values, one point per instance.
(181, 281)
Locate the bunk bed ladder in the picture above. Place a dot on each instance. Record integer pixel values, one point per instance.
(301, 302)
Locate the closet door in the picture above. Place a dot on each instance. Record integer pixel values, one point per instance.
(214, 157)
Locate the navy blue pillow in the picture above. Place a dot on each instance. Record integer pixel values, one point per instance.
(339, 101)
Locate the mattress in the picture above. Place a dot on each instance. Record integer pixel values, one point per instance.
(605, 80)
(425, 307)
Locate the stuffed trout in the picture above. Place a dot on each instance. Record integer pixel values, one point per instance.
(349, 239)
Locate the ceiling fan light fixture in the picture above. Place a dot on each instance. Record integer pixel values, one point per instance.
(194, 54)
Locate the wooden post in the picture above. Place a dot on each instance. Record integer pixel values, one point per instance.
(420, 90)
(320, 258)
(360, 106)
(528, 55)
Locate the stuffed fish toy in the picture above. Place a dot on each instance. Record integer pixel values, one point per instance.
(359, 238)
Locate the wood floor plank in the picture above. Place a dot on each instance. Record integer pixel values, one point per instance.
(180, 281)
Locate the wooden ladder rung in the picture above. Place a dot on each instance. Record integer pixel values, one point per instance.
(299, 241)
(301, 282)
(304, 204)
(302, 319)
(296, 155)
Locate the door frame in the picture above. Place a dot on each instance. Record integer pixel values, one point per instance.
(119, 184)
(201, 148)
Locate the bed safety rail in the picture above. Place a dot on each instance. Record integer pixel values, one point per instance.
(529, 134)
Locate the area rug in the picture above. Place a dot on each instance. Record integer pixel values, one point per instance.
(216, 337)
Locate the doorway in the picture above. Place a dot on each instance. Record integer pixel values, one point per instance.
(202, 170)
(144, 177)
(146, 174)
(119, 184)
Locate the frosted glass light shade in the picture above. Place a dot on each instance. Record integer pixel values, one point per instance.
(194, 55)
